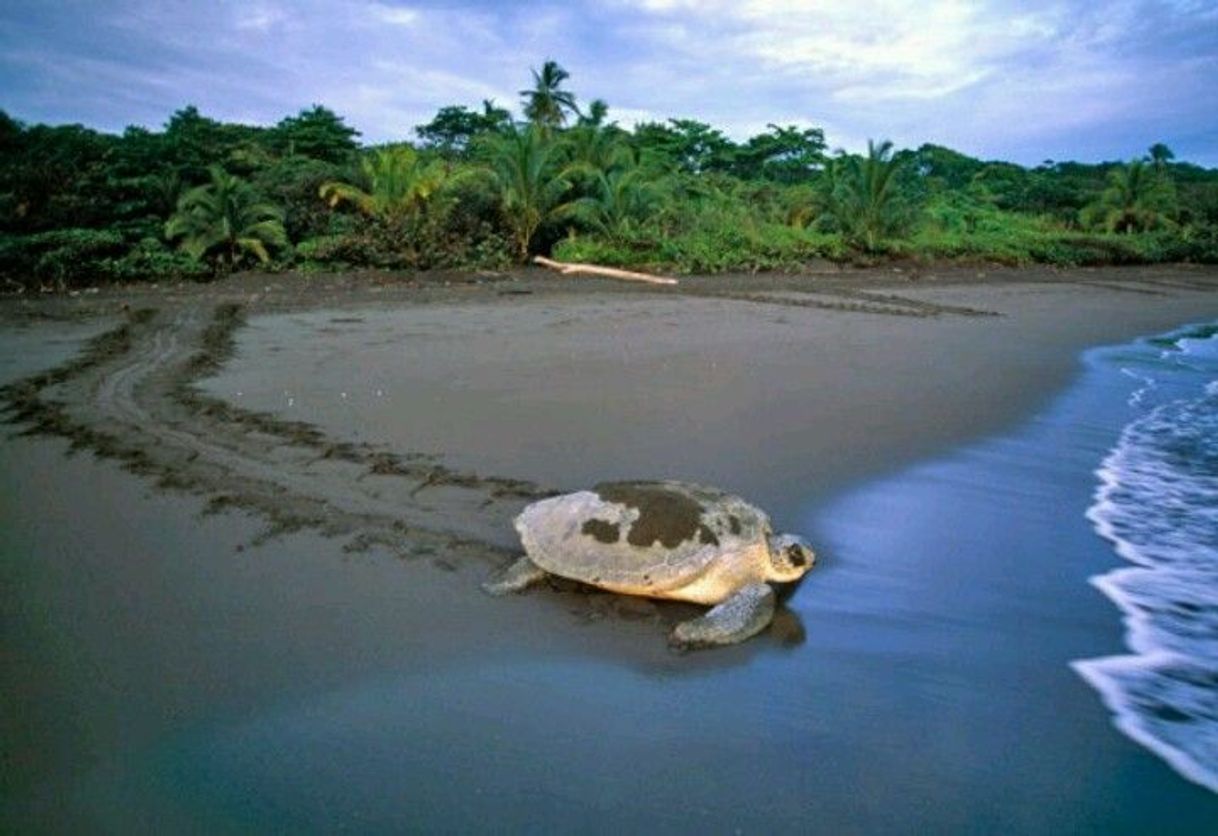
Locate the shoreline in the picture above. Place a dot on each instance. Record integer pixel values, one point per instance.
(236, 622)
(992, 579)
(1152, 506)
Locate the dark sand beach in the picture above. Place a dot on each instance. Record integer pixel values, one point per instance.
(249, 597)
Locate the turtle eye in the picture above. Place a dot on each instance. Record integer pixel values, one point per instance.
(796, 555)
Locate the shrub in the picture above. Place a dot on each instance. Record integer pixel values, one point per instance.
(373, 244)
(151, 260)
(61, 258)
(709, 249)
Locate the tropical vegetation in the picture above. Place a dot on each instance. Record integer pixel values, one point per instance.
(479, 187)
(527, 172)
(225, 219)
(398, 184)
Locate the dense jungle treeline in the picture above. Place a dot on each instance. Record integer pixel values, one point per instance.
(481, 188)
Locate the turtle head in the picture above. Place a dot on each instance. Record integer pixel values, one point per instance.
(790, 558)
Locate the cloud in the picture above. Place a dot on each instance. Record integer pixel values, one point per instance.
(259, 17)
(990, 77)
(395, 15)
(893, 50)
(1022, 80)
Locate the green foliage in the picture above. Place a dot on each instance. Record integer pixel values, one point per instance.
(527, 172)
(686, 145)
(67, 263)
(596, 116)
(293, 183)
(1160, 155)
(596, 147)
(710, 250)
(151, 260)
(546, 103)
(225, 220)
(457, 228)
(785, 154)
(318, 133)
(865, 198)
(1199, 244)
(619, 199)
(1139, 197)
(193, 143)
(375, 243)
(708, 231)
(79, 206)
(448, 246)
(60, 258)
(1003, 184)
(391, 244)
(10, 132)
(454, 128)
(1058, 247)
(398, 183)
(54, 177)
(962, 226)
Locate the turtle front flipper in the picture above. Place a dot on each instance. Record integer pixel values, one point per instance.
(741, 616)
(513, 578)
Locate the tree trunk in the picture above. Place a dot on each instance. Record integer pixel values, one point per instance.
(574, 269)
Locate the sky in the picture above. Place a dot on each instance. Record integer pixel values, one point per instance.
(1021, 81)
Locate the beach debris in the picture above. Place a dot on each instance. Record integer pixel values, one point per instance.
(571, 268)
(667, 539)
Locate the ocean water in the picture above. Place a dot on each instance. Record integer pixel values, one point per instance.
(1157, 504)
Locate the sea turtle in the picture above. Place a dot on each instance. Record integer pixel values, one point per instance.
(662, 540)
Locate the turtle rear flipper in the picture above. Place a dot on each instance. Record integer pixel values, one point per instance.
(515, 577)
(741, 616)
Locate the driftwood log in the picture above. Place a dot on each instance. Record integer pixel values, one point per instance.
(575, 269)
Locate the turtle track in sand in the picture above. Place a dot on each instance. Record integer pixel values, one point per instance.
(130, 396)
(845, 300)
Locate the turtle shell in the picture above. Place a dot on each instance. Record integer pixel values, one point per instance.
(645, 536)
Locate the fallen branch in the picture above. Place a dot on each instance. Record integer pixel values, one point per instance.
(573, 269)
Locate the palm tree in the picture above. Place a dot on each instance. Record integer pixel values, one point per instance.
(225, 217)
(163, 190)
(597, 148)
(620, 196)
(865, 198)
(525, 167)
(1161, 155)
(1138, 197)
(399, 184)
(597, 113)
(546, 103)
(494, 117)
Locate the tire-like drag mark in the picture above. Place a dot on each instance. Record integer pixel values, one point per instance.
(130, 395)
(848, 301)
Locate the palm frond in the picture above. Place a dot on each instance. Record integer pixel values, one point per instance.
(225, 217)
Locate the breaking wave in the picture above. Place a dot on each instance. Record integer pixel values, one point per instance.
(1157, 503)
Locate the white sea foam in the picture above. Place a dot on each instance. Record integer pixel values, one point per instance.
(1148, 383)
(1157, 503)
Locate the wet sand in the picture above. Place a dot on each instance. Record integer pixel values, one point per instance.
(156, 657)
